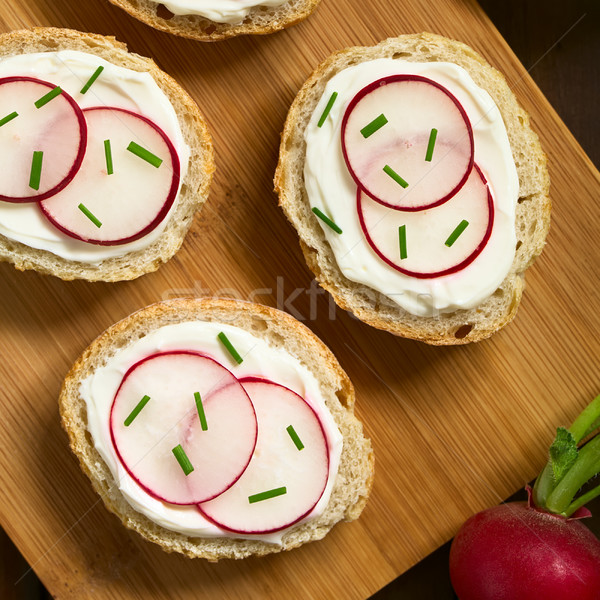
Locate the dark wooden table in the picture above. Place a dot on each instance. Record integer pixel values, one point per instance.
(559, 43)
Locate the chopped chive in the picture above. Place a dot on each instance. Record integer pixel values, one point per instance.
(295, 437)
(108, 154)
(389, 171)
(326, 220)
(375, 125)
(454, 235)
(327, 109)
(144, 154)
(229, 346)
(402, 238)
(266, 495)
(91, 80)
(36, 169)
(136, 411)
(90, 216)
(183, 460)
(200, 409)
(49, 96)
(8, 118)
(431, 145)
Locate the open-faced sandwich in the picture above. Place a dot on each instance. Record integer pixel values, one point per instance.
(105, 158)
(218, 429)
(417, 187)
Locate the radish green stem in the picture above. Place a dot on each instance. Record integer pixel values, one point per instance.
(587, 421)
(584, 424)
(586, 466)
(583, 500)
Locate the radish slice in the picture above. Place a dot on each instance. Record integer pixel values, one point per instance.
(57, 129)
(219, 454)
(432, 242)
(295, 478)
(389, 147)
(110, 209)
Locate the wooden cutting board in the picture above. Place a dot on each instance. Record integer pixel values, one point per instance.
(454, 429)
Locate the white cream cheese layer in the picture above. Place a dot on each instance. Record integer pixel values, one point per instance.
(260, 360)
(232, 12)
(331, 189)
(116, 86)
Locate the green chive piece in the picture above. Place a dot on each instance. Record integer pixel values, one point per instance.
(36, 170)
(229, 346)
(183, 460)
(375, 125)
(454, 235)
(90, 216)
(295, 437)
(49, 96)
(145, 154)
(266, 495)
(200, 409)
(8, 118)
(136, 411)
(327, 109)
(431, 145)
(326, 220)
(402, 238)
(108, 154)
(91, 80)
(389, 171)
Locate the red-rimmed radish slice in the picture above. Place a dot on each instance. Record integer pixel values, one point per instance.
(288, 472)
(432, 242)
(156, 409)
(391, 148)
(54, 129)
(118, 195)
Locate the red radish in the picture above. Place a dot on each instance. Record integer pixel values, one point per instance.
(57, 129)
(425, 253)
(128, 203)
(538, 549)
(277, 464)
(219, 453)
(389, 147)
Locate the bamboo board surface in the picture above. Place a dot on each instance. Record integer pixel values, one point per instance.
(454, 429)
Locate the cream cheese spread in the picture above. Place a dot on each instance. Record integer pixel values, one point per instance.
(232, 12)
(260, 360)
(331, 189)
(115, 87)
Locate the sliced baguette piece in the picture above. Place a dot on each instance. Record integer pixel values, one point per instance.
(194, 190)
(261, 20)
(532, 214)
(280, 330)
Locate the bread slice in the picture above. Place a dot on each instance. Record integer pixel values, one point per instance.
(260, 21)
(194, 190)
(532, 214)
(280, 330)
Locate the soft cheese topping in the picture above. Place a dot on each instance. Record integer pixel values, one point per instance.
(232, 12)
(115, 87)
(259, 360)
(332, 190)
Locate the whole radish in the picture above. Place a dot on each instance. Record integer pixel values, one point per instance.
(537, 549)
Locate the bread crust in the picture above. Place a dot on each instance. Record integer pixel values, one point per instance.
(194, 190)
(355, 476)
(260, 20)
(532, 213)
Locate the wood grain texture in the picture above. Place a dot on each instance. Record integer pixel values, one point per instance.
(454, 429)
